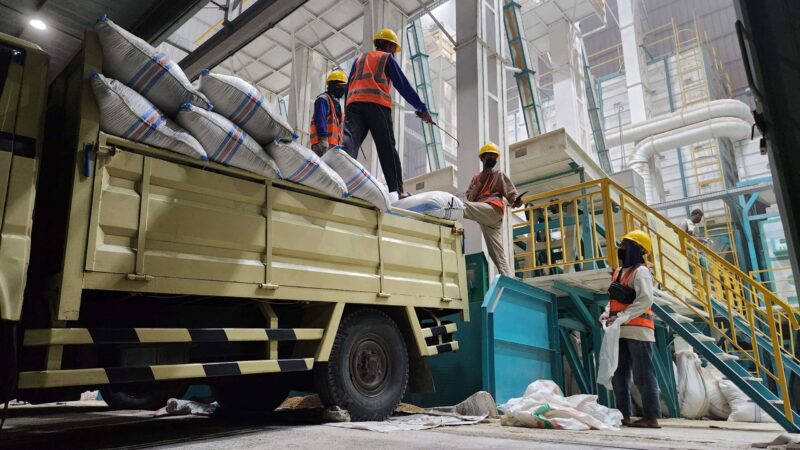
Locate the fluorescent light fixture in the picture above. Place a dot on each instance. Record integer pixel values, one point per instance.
(38, 24)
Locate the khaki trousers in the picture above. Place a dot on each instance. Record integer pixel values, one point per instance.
(491, 222)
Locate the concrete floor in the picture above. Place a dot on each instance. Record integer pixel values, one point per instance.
(92, 425)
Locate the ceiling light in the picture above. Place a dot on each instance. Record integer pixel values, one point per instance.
(38, 24)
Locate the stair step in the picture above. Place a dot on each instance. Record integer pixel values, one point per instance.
(754, 379)
(726, 357)
(703, 338)
(680, 318)
(776, 401)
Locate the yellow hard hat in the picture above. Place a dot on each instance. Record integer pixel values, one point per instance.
(489, 147)
(336, 75)
(640, 238)
(387, 35)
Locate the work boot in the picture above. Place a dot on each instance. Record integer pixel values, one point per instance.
(626, 421)
(645, 423)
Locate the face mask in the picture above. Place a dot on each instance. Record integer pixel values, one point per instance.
(621, 255)
(490, 163)
(337, 91)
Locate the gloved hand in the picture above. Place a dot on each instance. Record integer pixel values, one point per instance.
(425, 116)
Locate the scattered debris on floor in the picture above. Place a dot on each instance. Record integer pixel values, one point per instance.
(305, 402)
(335, 414)
(786, 441)
(480, 403)
(544, 406)
(414, 422)
(176, 407)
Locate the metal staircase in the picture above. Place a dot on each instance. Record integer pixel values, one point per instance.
(732, 320)
(422, 82)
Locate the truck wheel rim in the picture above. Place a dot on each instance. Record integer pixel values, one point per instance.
(370, 365)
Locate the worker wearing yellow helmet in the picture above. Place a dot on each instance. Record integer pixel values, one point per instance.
(327, 123)
(369, 105)
(630, 308)
(486, 196)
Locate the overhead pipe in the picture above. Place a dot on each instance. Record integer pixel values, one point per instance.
(681, 118)
(728, 127)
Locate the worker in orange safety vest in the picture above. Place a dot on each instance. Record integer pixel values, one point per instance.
(327, 124)
(631, 301)
(368, 108)
(486, 196)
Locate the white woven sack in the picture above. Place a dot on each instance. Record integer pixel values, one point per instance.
(742, 408)
(435, 203)
(303, 166)
(692, 392)
(225, 142)
(243, 104)
(359, 182)
(140, 66)
(125, 113)
(718, 406)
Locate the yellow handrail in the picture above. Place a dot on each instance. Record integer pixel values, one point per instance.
(576, 227)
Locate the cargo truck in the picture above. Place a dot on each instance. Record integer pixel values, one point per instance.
(139, 271)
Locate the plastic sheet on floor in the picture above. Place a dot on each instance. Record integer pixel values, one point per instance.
(414, 422)
(544, 406)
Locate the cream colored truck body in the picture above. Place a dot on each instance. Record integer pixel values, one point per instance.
(148, 223)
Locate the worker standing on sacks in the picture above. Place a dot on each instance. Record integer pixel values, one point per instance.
(327, 124)
(486, 205)
(631, 294)
(369, 105)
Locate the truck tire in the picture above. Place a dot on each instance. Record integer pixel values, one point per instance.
(251, 393)
(146, 397)
(367, 372)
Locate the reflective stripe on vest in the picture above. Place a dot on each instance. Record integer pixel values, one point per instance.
(616, 306)
(487, 196)
(334, 121)
(367, 82)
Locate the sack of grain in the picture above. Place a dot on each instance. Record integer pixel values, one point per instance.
(245, 106)
(149, 72)
(125, 113)
(743, 409)
(434, 203)
(301, 165)
(359, 182)
(225, 142)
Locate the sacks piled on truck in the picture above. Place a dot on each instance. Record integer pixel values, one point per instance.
(226, 143)
(244, 105)
(435, 203)
(140, 66)
(125, 113)
(303, 166)
(358, 181)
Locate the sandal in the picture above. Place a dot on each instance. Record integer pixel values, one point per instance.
(404, 195)
(645, 423)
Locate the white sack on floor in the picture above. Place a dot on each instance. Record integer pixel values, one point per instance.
(140, 66)
(244, 105)
(718, 406)
(742, 408)
(303, 166)
(225, 142)
(435, 203)
(609, 352)
(359, 182)
(125, 113)
(692, 394)
(413, 422)
(544, 406)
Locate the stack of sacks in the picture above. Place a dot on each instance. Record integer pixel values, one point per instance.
(743, 409)
(359, 182)
(127, 114)
(140, 66)
(244, 105)
(435, 203)
(303, 166)
(225, 142)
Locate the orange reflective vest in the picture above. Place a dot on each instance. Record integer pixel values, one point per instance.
(616, 306)
(368, 82)
(486, 195)
(334, 121)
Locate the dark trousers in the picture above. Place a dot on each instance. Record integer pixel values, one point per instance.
(636, 356)
(363, 117)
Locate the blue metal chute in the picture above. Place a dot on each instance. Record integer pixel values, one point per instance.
(521, 338)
